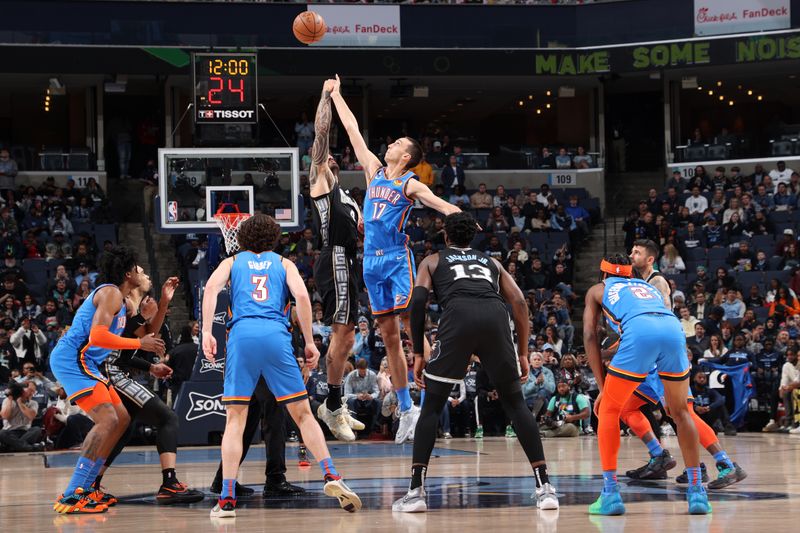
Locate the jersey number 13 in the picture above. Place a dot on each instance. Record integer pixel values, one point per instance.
(472, 272)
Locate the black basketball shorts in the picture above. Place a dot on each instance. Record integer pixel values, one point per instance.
(335, 275)
(473, 326)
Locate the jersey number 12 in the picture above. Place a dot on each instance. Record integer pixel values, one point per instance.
(475, 272)
(260, 289)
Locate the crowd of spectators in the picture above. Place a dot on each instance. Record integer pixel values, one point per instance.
(730, 250)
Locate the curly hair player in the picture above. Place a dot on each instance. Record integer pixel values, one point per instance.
(76, 362)
(260, 344)
(336, 218)
(652, 337)
(472, 289)
(388, 261)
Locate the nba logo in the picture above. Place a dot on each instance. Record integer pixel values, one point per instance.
(172, 211)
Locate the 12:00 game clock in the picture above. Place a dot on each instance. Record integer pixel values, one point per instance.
(225, 88)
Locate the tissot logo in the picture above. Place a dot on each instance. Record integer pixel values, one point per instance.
(225, 113)
(207, 366)
(201, 406)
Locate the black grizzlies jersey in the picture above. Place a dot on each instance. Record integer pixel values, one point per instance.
(336, 220)
(465, 273)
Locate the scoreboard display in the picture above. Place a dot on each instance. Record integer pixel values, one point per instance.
(225, 88)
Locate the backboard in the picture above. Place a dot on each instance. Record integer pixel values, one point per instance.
(197, 182)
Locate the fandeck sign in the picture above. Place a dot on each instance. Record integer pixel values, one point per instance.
(715, 17)
(359, 25)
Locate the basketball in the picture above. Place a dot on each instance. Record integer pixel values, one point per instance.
(309, 27)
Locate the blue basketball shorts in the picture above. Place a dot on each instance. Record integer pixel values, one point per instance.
(651, 341)
(389, 278)
(651, 389)
(77, 373)
(261, 347)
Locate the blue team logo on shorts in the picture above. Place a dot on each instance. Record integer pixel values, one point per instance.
(399, 298)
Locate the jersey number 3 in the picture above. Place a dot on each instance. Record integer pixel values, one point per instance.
(260, 289)
(475, 272)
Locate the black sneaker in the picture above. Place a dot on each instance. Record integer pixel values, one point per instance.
(729, 430)
(727, 476)
(656, 468)
(684, 477)
(178, 493)
(241, 490)
(283, 488)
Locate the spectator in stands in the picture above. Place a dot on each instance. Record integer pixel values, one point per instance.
(495, 248)
(687, 321)
(544, 194)
(790, 382)
(734, 229)
(8, 174)
(692, 238)
(537, 276)
(562, 221)
(784, 305)
(733, 207)
(580, 215)
(742, 259)
(453, 174)
(565, 412)
(696, 203)
(699, 342)
(518, 220)
(460, 197)
(18, 412)
(83, 291)
(671, 262)
(481, 199)
(736, 355)
(582, 159)
(709, 404)
(784, 199)
(347, 161)
(497, 222)
(540, 385)
(786, 241)
(781, 174)
(360, 349)
(500, 198)
(361, 393)
(676, 181)
(760, 225)
(716, 348)
(29, 342)
(714, 234)
(733, 306)
(424, 171)
(563, 160)
(763, 198)
(540, 221)
(547, 160)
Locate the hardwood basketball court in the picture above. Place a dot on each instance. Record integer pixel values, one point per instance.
(472, 486)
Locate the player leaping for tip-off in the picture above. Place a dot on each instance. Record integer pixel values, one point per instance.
(388, 261)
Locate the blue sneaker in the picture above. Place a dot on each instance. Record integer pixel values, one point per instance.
(698, 500)
(609, 503)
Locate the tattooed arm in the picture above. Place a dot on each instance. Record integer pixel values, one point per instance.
(320, 176)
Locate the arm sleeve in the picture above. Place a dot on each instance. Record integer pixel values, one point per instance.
(100, 336)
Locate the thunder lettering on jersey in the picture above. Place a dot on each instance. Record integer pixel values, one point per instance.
(625, 298)
(386, 209)
(258, 287)
(77, 336)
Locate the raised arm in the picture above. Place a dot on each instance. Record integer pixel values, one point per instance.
(519, 311)
(320, 175)
(367, 159)
(418, 191)
(108, 301)
(219, 278)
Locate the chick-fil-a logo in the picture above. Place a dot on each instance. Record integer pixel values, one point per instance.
(703, 16)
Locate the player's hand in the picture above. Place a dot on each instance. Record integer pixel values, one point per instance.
(209, 345)
(160, 370)
(148, 308)
(597, 404)
(328, 86)
(419, 368)
(312, 356)
(306, 373)
(168, 289)
(524, 368)
(153, 344)
(337, 83)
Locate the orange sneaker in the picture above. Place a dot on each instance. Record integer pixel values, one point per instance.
(78, 502)
(99, 495)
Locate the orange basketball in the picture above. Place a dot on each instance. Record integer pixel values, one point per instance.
(309, 27)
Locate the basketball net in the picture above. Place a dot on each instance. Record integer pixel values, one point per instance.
(229, 226)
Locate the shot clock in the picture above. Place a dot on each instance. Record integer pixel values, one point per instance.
(225, 88)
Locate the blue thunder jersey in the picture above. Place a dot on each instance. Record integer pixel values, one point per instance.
(625, 298)
(258, 288)
(77, 336)
(386, 209)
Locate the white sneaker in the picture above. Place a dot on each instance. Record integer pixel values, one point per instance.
(546, 497)
(447, 436)
(795, 431)
(412, 502)
(348, 500)
(227, 511)
(770, 427)
(408, 422)
(355, 424)
(337, 421)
